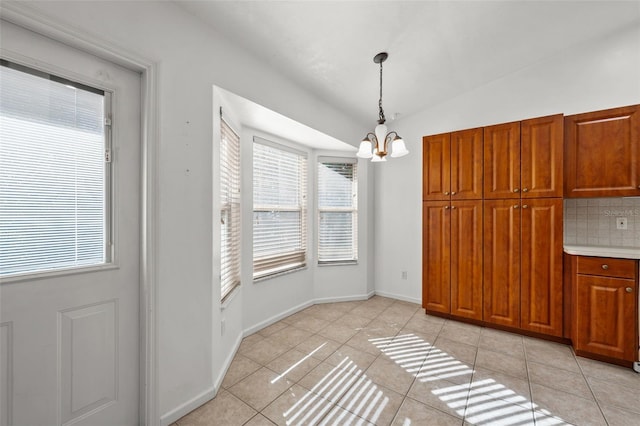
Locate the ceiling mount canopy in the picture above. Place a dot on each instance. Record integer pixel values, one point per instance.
(375, 144)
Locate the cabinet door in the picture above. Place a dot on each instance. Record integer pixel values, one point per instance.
(606, 319)
(436, 241)
(501, 256)
(602, 153)
(466, 259)
(541, 163)
(466, 164)
(541, 275)
(502, 161)
(436, 167)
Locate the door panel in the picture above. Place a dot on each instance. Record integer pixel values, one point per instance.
(606, 316)
(502, 161)
(436, 173)
(466, 164)
(436, 242)
(542, 152)
(502, 262)
(466, 259)
(603, 153)
(541, 279)
(74, 337)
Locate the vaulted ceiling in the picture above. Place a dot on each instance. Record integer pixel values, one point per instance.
(437, 49)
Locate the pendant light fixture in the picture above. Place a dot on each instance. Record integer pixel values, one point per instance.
(375, 144)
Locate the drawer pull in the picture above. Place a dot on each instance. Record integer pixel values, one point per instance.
(605, 266)
(628, 290)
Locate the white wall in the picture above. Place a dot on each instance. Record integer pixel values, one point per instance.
(191, 59)
(592, 76)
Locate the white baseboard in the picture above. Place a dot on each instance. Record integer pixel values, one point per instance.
(398, 297)
(351, 298)
(187, 407)
(276, 318)
(227, 362)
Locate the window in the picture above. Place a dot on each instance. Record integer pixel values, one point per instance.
(337, 210)
(54, 173)
(229, 209)
(279, 208)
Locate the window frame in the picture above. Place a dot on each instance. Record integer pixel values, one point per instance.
(353, 209)
(110, 170)
(298, 259)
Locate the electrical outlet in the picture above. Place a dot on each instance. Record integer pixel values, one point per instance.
(621, 223)
(404, 275)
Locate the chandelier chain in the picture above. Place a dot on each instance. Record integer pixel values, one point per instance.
(381, 118)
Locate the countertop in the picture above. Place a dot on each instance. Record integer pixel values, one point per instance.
(603, 251)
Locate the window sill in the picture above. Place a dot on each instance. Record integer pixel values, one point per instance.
(279, 274)
(338, 263)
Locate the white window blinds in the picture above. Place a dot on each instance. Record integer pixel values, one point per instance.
(229, 209)
(53, 175)
(337, 210)
(279, 209)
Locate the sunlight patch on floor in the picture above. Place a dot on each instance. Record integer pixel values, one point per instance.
(478, 402)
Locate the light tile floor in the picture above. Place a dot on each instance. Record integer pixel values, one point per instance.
(384, 362)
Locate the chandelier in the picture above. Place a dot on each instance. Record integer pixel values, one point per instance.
(375, 144)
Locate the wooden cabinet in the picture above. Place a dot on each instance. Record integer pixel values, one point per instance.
(602, 153)
(452, 258)
(605, 314)
(502, 262)
(452, 166)
(523, 264)
(502, 161)
(541, 159)
(523, 159)
(436, 257)
(541, 296)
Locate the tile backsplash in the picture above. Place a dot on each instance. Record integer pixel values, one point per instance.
(592, 221)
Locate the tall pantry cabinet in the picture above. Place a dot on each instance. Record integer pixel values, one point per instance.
(512, 244)
(452, 223)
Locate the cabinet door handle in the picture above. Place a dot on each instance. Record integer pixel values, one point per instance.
(516, 190)
(525, 189)
(525, 206)
(605, 266)
(446, 192)
(446, 207)
(453, 207)
(453, 192)
(628, 290)
(517, 206)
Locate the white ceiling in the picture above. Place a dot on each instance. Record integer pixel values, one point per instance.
(437, 49)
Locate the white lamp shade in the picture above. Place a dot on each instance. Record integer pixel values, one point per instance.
(381, 135)
(398, 148)
(365, 149)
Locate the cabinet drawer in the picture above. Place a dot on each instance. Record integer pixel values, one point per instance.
(606, 266)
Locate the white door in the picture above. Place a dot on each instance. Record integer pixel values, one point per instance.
(69, 340)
